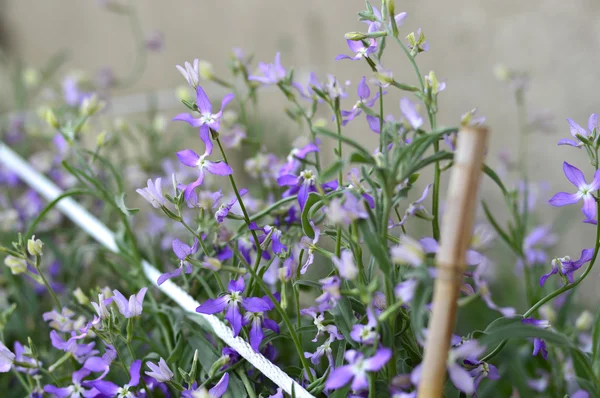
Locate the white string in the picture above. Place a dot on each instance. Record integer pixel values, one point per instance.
(104, 236)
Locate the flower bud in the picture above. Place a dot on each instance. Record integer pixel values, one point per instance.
(50, 118)
(355, 36)
(31, 77)
(547, 312)
(183, 93)
(206, 70)
(16, 265)
(584, 321)
(81, 297)
(91, 105)
(101, 139)
(35, 246)
(502, 73)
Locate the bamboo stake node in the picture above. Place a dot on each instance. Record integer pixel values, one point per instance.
(455, 237)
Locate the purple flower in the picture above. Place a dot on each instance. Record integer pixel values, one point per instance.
(6, 358)
(359, 49)
(584, 191)
(272, 234)
(357, 368)
(160, 372)
(416, 208)
(230, 301)
(155, 41)
(225, 208)
(366, 334)
(60, 321)
(409, 111)
(460, 377)
(255, 308)
(303, 184)
(153, 193)
(539, 345)
(216, 392)
(345, 209)
(331, 291)
(345, 265)
(577, 131)
(183, 252)
(271, 73)
(364, 93)
(380, 25)
(565, 267)
(293, 163)
(191, 72)
(21, 356)
(101, 364)
(325, 349)
(207, 118)
(110, 389)
(318, 319)
(191, 159)
(128, 308)
(484, 291)
(482, 370)
(540, 238)
(405, 290)
(80, 351)
(75, 389)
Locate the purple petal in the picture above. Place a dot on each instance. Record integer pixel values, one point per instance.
(595, 184)
(363, 89)
(256, 336)
(237, 285)
(134, 372)
(180, 249)
(256, 304)
(430, 245)
(226, 100)
(202, 101)
(574, 175)
(566, 141)
(218, 168)
(303, 195)
(354, 45)
(339, 377)
(188, 191)
(563, 199)
(57, 391)
(409, 111)
(220, 388)
(188, 157)
(461, 378)
(378, 360)
(271, 324)
(374, 124)
(287, 180)
(106, 387)
(576, 129)
(589, 206)
(593, 122)
(342, 56)
(186, 117)
(234, 317)
(211, 306)
(204, 134)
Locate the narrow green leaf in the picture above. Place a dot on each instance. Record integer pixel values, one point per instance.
(313, 198)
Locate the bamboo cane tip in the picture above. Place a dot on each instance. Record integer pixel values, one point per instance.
(480, 129)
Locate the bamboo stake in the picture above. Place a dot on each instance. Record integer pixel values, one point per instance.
(456, 234)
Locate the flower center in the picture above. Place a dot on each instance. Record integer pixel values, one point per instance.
(308, 177)
(207, 118)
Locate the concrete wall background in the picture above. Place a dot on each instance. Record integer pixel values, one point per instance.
(557, 41)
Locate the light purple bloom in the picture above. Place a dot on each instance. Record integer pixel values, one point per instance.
(565, 267)
(128, 308)
(364, 93)
(331, 291)
(484, 291)
(539, 239)
(318, 319)
(309, 247)
(255, 314)
(62, 321)
(191, 159)
(366, 334)
(75, 389)
(80, 351)
(359, 49)
(20, 356)
(482, 370)
(357, 368)
(110, 389)
(380, 25)
(409, 111)
(6, 358)
(303, 184)
(225, 208)
(539, 345)
(183, 252)
(416, 208)
(160, 372)
(216, 392)
(230, 301)
(207, 118)
(153, 193)
(191, 72)
(578, 131)
(293, 163)
(271, 73)
(459, 376)
(345, 265)
(405, 290)
(325, 348)
(584, 191)
(274, 235)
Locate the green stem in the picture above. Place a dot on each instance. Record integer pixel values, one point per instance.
(45, 281)
(246, 382)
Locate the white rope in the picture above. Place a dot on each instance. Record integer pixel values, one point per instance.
(104, 236)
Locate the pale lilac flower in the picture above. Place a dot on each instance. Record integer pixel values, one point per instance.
(153, 193)
(217, 391)
(366, 334)
(331, 291)
(100, 307)
(484, 291)
(364, 93)
(62, 321)
(207, 118)
(110, 389)
(405, 290)
(183, 253)
(80, 351)
(481, 370)
(578, 131)
(160, 372)
(155, 41)
(75, 389)
(460, 377)
(271, 73)
(6, 358)
(584, 191)
(325, 349)
(230, 301)
(345, 209)
(431, 246)
(191, 73)
(345, 265)
(293, 163)
(357, 368)
(566, 268)
(309, 247)
(21, 356)
(409, 251)
(318, 319)
(536, 242)
(409, 111)
(128, 308)
(416, 208)
(101, 364)
(359, 49)
(274, 236)
(191, 159)
(380, 25)
(225, 208)
(255, 314)
(302, 185)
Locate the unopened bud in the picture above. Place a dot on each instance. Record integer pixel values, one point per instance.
(183, 93)
(91, 105)
(31, 77)
(81, 297)
(101, 139)
(35, 246)
(50, 118)
(206, 70)
(547, 312)
(584, 321)
(502, 73)
(355, 36)
(16, 265)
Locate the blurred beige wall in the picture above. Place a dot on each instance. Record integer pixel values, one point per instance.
(556, 40)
